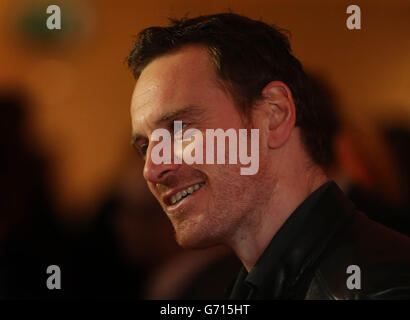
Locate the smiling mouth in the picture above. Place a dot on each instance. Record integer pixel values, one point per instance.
(176, 198)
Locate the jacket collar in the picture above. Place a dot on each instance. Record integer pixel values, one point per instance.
(296, 246)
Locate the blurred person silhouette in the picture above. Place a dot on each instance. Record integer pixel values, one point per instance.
(195, 275)
(392, 211)
(365, 164)
(28, 243)
(33, 238)
(143, 237)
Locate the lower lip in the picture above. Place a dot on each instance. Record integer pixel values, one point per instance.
(174, 208)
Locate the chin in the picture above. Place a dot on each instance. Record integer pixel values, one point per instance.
(194, 240)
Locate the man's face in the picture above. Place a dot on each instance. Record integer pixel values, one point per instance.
(183, 86)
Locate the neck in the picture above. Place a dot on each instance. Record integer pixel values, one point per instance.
(294, 183)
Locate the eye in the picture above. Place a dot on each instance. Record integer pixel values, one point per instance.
(144, 148)
(182, 127)
(177, 128)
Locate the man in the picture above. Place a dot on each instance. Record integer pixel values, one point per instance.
(296, 234)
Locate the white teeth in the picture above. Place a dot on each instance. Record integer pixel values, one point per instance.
(184, 193)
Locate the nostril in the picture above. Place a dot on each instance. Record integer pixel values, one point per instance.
(158, 173)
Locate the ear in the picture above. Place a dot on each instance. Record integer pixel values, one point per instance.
(279, 107)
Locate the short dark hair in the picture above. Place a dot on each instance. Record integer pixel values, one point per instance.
(247, 55)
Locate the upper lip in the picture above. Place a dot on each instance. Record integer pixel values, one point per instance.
(167, 196)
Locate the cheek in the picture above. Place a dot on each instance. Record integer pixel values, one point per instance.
(224, 179)
(152, 189)
(193, 149)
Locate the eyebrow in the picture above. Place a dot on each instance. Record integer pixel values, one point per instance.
(190, 110)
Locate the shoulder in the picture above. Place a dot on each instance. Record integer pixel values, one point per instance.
(365, 260)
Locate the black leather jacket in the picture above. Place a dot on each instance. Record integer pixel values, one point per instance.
(309, 256)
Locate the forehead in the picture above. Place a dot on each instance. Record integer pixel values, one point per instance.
(184, 77)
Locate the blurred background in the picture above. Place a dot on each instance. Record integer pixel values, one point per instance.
(71, 187)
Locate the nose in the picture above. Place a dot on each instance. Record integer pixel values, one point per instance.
(154, 172)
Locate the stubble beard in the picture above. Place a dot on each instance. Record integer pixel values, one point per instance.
(228, 211)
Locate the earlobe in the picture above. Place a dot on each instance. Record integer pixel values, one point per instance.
(280, 110)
